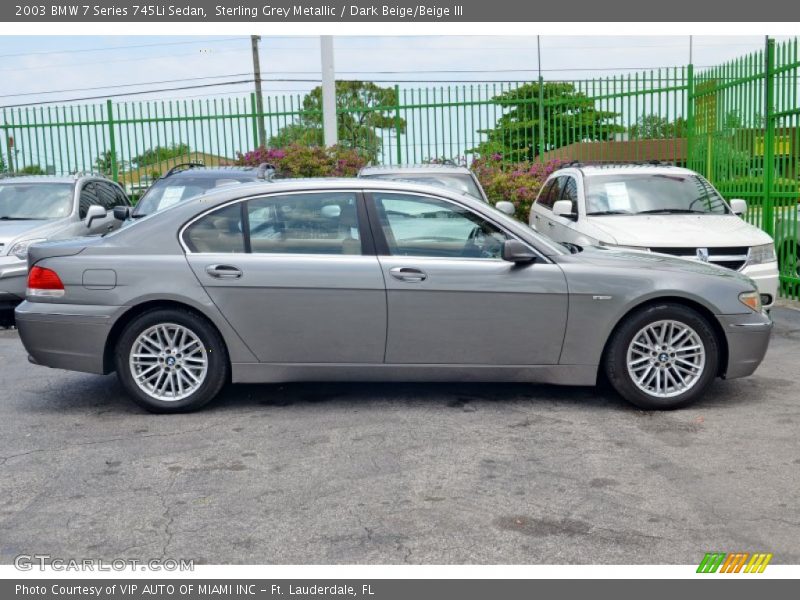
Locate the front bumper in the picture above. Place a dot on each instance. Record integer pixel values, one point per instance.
(66, 336)
(747, 336)
(766, 277)
(13, 278)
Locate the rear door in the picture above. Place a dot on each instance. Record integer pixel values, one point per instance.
(452, 299)
(295, 276)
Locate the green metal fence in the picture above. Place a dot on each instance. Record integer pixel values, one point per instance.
(737, 123)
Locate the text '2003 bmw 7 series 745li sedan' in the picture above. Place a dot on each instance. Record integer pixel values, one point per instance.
(365, 280)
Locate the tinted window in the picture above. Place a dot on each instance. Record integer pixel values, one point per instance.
(424, 226)
(318, 223)
(219, 231)
(88, 198)
(570, 192)
(106, 194)
(551, 193)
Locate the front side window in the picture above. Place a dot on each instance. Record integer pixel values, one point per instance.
(551, 192)
(570, 192)
(33, 201)
(654, 193)
(425, 226)
(88, 198)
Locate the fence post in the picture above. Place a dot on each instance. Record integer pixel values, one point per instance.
(397, 127)
(767, 219)
(254, 110)
(541, 119)
(689, 114)
(112, 140)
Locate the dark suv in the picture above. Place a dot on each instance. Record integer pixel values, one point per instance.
(187, 180)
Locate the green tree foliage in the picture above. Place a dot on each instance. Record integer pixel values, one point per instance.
(568, 116)
(363, 108)
(156, 154)
(103, 163)
(654, 127)
(32, 170)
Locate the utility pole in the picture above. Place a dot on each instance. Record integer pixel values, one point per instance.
(690, 49)
(262, 132)
(329, 123)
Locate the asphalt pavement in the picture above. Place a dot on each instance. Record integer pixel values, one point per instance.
(392, 474)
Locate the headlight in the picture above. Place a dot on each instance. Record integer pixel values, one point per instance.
(761, 254)
(20, 249)
(752, 300)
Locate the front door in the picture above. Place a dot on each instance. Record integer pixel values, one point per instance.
(452, 299)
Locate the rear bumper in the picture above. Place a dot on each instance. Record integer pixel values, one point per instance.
(747, 336)
(766, 278)
(66, 336)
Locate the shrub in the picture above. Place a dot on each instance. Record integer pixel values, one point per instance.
(299, 160)
(518, 183)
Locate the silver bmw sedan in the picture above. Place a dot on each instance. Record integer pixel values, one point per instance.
(365, 280)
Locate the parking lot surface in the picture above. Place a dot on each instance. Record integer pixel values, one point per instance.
(411, 473)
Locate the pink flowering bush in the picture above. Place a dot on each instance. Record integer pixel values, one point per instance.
(518, 183)
(299, 160)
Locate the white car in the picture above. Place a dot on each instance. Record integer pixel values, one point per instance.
(656, 208)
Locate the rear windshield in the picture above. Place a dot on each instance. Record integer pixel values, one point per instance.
(461, 182)
(34, 201)
(170, 191)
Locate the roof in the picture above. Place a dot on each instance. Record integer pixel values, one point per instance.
(213, 171)
(424, 168)
(628, 169)
(71, 179)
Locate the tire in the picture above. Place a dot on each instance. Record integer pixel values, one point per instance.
(179, 357)
(677, 375)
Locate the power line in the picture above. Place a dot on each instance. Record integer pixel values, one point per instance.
(113, 48)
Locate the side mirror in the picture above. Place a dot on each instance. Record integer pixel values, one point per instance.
(563, 208)
(739, 207)
(506, 208)
(122, 213)
(94, 213)
(517, 252)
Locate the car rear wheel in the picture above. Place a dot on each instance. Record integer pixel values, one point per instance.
(662, 357)
(171, 360)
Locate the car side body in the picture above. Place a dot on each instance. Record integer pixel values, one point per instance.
(367, 313)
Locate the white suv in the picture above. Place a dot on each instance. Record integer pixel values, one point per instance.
(656, 208)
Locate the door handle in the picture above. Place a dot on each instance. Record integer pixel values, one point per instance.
(223, 271)
(551, 224)
(408, 274)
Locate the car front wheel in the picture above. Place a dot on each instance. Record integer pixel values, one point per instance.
(171, 360)
(662, 357)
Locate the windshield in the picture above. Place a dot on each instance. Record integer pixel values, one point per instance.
(461, 182)
(655, 193)
(29, 201)
(166, 192)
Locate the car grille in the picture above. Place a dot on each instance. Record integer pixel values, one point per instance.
(730, 257)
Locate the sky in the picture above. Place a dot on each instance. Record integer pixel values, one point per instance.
(37, 69)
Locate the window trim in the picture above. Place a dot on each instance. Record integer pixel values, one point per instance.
(364, 230)
(382, 245)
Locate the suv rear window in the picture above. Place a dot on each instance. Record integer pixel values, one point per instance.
(169, 191)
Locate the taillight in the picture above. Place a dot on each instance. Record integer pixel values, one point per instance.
(44, 283)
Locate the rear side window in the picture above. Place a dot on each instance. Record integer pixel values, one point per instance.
(313, 223)
(219, 232)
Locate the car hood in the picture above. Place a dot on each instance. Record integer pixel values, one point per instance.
(679, 231)
(11, 230)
